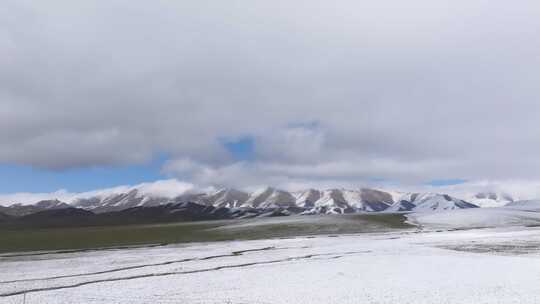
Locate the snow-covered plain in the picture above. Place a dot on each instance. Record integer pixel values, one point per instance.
(523, 213)
(496, 265)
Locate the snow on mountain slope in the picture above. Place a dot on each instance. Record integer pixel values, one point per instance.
(422, 202)
(280, 198)
(375, 200)
(307, 199)
(438, 202)
(51, 204)
(402, 201)
(229, 198)
(333, 201)
(403, 196)
(21, 210)
(270, 198)
(400, 206)
(340, 201)
(312, 201)
(120, 201)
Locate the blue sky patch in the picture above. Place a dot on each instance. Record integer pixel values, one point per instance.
(242, 149)
(446, 182)
(18, 178)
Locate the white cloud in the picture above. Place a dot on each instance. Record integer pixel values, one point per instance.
(294, 144)
(166, 188)
(407, 92)
(163, 188)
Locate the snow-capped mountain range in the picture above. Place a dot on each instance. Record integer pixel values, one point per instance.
(311, 201)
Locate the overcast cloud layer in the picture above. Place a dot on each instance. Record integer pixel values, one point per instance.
(331, 92)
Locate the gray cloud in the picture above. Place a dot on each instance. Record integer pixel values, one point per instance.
(404, 91)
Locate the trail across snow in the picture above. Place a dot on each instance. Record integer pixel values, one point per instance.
(499, 265)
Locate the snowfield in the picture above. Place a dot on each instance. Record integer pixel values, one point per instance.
(516, 214)
(496, 265)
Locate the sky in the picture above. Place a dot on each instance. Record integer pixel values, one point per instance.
(290, 94)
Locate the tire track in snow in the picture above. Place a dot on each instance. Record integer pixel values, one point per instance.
(232, 254)
(81, 250)
(335, 255)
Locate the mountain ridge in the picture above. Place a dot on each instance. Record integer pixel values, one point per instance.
(310, 201)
